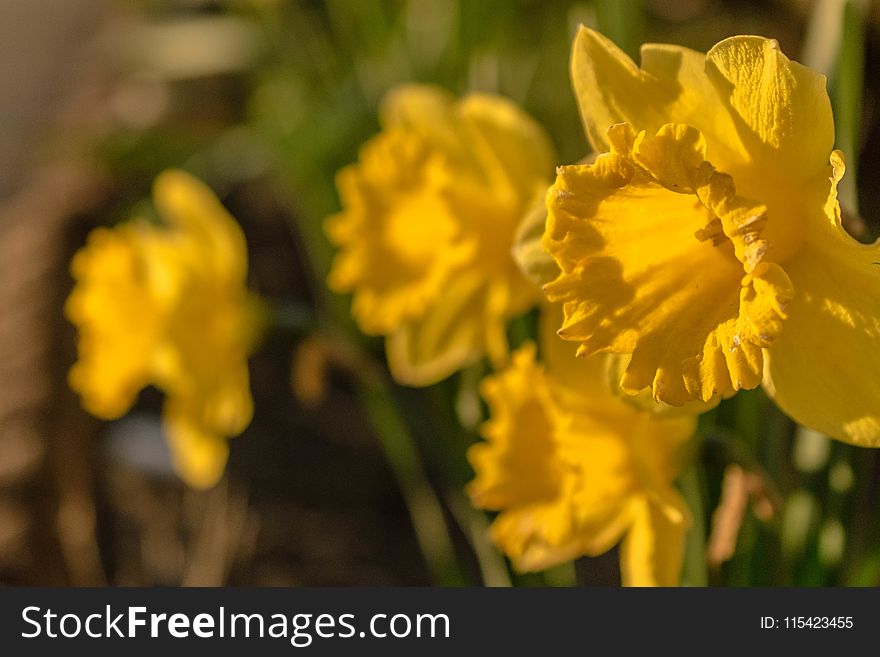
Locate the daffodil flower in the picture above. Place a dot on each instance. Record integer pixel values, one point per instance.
(426, 228)
(574, 469)
(166, 305)
(706, 240)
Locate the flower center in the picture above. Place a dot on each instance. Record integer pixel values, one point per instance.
(675, 158)
(783, 230)
(419, 226)
(694, 314)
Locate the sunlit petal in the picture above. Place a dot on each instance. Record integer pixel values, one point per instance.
(650, 554)
(822, 370)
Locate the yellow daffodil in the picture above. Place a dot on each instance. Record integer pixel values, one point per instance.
(427, 225)
(166, 305)
(706, 241)
(574, 469)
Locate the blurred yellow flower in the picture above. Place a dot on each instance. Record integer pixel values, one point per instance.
(574, 469)
(716, 281)
(166, 305)
(427, 225)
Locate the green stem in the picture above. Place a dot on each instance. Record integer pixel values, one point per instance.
(425, 511)
(476, 526)
(694, 572)
(622, 21)
(847, 101)
(847, 96)
(293, 318)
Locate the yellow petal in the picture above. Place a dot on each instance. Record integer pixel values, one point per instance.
(198, 454)
(616, 366)
(595, 380)
(653, 549)
(823, 369)
(223, 405)
(533, 259)
(210, 331)
(594, 445)
(516, 464)
(488, 132)
(449, 336)
(190, 206)
(671, 87)
(398, 235)
(662, 447)
(781, 108)
(119, 316)
(489, 218)
(542, 535)
(560, 485)
(518, 469)
(617, 451)
(514, 151)
(425, 110)
(588, 377)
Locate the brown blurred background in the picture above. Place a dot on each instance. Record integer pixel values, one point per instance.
(308, 498)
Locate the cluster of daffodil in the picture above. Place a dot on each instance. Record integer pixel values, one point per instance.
(698, 253)
(166, 305)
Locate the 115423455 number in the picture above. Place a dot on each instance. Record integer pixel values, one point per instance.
(817, 622)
